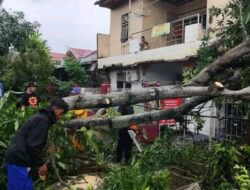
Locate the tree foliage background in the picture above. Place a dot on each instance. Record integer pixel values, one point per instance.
(76, 72)
(24, 56)
(14, 30)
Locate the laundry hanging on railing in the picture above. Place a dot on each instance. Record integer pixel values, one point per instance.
(160, 30)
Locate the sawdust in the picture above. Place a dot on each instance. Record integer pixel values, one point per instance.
(88, 180)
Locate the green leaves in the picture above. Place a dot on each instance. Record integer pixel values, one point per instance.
(76, 72)
(16, 124)
(14, 30)
(3, 145)
(214, 11)
(146, 170)
(199, 122)
(32, 62)
(230, 21)
(132, 177)
(242, 177)
(161, 180)
(62, 165)
(61, 88)
(206, 54)
(4, 99)
(227, 168)
(89, 139)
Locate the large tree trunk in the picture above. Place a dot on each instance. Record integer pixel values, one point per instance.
(128, 120)
(149, 94)
(149, 117)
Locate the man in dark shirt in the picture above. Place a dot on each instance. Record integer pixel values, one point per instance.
(124, 146)
(143, 44)
(30, 98)
(25, 150)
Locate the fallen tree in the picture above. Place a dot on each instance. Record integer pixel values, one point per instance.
(123, 121)
(149, 117)
(236, 56)
(150, 94)
(203, 94)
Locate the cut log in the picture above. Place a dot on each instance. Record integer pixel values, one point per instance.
(150, 94)
(215, 88)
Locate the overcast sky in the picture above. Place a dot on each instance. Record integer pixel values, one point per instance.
(65, 23)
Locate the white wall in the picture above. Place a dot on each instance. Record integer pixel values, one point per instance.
(210, 123)
(165, 73)
(132, 75)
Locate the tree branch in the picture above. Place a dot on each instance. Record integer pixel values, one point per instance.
(228, 59)
(128, 120)
(240, 6)
(150, 94)
(53, 163)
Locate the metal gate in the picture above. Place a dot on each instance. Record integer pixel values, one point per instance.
(233, 123)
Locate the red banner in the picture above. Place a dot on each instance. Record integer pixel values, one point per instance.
(167, 104)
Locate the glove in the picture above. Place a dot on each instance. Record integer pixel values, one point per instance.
(43, 171)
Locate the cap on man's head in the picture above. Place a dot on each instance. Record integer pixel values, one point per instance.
(32, 84)
(76, 90)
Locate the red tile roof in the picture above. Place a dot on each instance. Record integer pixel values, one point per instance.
(57, 55)
(80, 53)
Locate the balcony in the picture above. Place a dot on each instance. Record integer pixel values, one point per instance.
(188, 29)
(182, 42)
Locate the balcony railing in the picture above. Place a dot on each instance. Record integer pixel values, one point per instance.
(183, 30)
(177, 34)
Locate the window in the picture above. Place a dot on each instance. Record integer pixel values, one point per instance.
(203, 20)
(124, 28)
(121, 82)
(191, 20)
(194, 20)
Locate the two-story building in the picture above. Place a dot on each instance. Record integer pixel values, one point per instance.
(173, 30)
